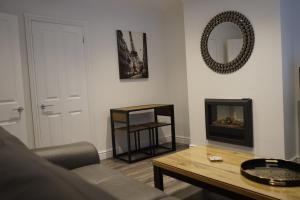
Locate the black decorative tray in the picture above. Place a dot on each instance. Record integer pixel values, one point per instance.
(272, 172)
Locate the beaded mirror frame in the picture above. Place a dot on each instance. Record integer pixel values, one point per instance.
(248, 42)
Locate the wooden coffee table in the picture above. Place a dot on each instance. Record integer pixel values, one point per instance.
(192, 166)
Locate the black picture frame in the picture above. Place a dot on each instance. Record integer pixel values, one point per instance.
(132, 55)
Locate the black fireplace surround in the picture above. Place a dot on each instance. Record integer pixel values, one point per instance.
(229, 121)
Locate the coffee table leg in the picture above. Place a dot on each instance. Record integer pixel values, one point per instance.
(158, 178)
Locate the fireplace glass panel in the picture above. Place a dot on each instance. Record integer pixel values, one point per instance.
(227, 116)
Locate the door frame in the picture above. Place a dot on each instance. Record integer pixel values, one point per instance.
(29, 18)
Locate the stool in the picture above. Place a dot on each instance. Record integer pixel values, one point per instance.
(153, 140)
(137, 140)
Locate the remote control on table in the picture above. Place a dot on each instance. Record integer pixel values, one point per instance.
(214, 158)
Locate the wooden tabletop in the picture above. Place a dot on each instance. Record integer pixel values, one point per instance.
(194, 163)
(140, 107)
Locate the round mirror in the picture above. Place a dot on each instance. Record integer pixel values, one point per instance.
(225, 42)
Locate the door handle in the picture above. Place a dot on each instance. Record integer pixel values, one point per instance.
(19, 109)
(43, 106)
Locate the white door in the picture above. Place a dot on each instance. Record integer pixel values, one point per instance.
(234, 47)
(60, 86)
(12, 115)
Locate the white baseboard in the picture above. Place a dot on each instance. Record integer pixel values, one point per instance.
(183, 140)
(193, 145)
(105, 154)
(294, 158)
(179, 139)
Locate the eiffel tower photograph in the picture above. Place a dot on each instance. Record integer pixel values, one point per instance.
(132, 54)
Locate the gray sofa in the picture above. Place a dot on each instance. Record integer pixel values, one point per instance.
(75, 174)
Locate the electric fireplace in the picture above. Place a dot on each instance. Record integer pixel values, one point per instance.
(229, 121)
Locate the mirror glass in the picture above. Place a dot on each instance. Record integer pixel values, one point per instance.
(225, 42)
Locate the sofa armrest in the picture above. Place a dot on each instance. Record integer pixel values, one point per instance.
(70, 156)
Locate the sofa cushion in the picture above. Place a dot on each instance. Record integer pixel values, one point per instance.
(118, 185)
(24, 175)
(94, 173)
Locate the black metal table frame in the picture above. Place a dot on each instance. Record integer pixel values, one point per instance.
(165, 110)
(159, 184)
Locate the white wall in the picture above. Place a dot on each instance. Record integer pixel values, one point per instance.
(104, 17)
(295, 26)
(176, 63)
(260, 79)
(288, 73)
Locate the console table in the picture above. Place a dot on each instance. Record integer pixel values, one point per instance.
(122, 116)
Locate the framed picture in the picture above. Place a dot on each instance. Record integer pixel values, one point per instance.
(132, 54)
